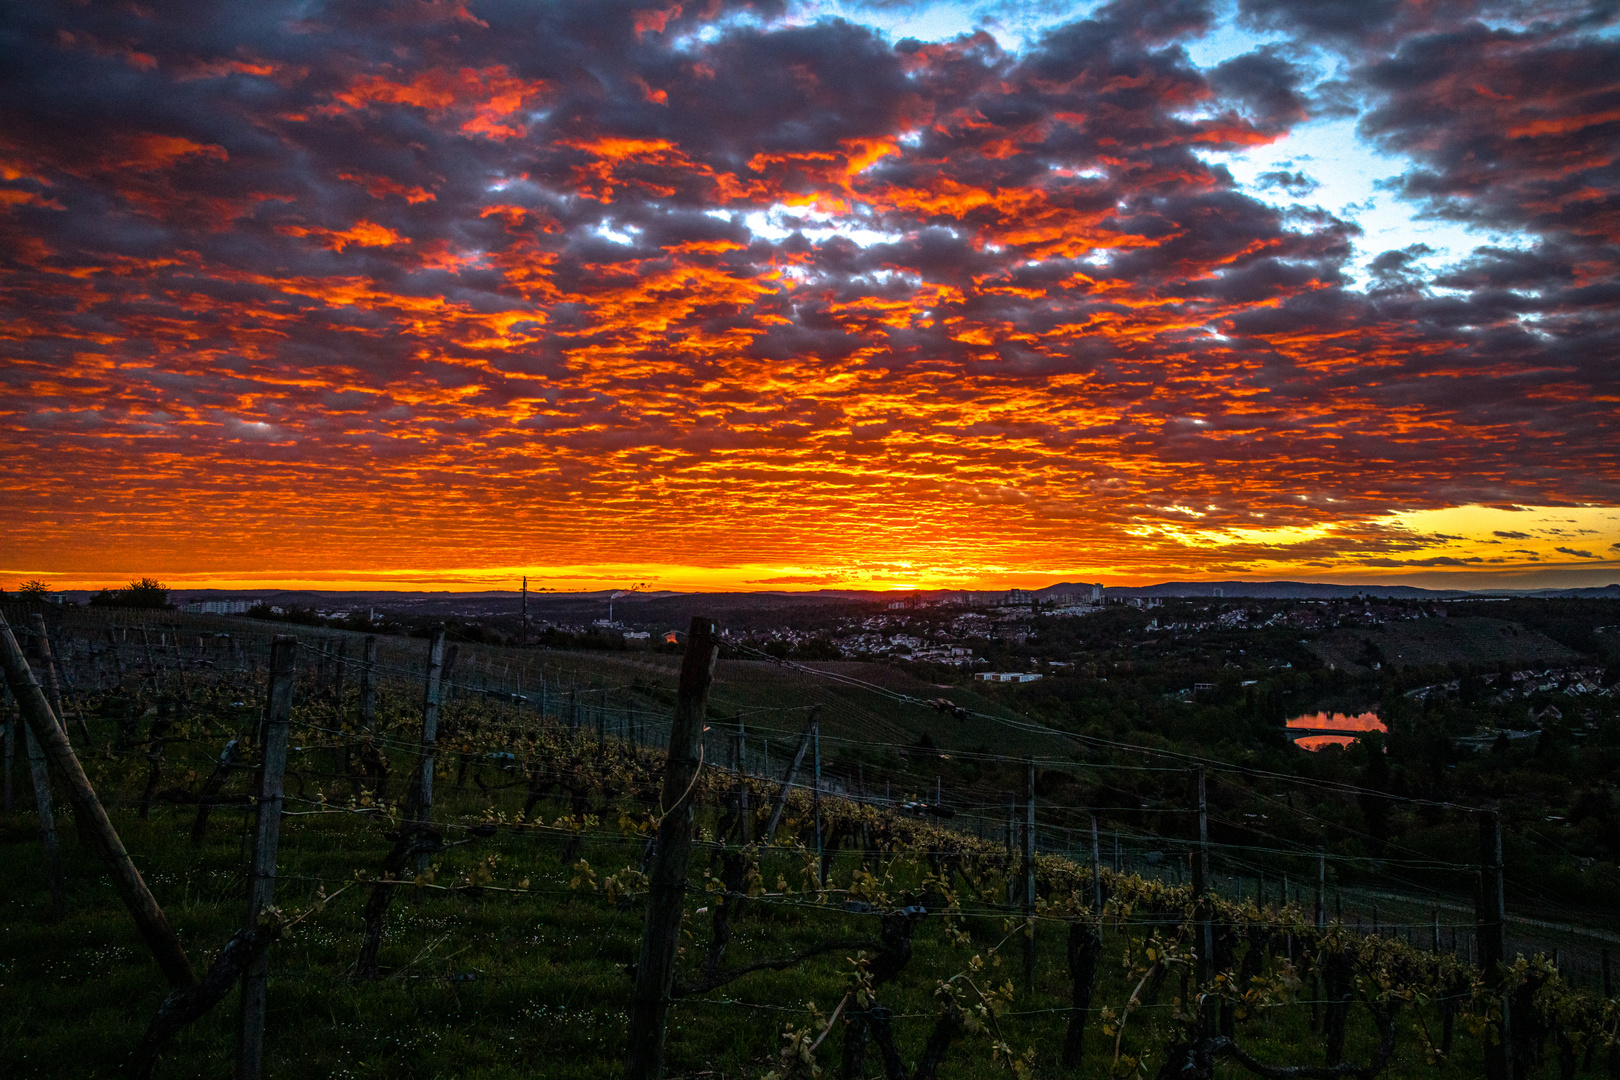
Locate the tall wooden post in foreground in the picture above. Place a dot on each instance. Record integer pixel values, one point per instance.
(126, 879)
(432, 695)
(666, 893)
(267, 839)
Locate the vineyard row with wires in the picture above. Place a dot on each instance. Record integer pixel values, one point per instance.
(738, 912)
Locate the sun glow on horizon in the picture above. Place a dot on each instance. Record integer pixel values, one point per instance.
(1473, 546)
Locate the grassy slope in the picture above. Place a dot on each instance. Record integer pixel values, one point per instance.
(1427, 642)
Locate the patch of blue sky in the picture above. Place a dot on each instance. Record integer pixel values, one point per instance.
(1015, 24)
(1348, 173)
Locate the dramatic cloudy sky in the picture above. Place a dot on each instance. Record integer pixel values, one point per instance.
(705, 292)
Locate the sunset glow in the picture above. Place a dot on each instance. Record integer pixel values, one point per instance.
(777, 295)
(1329, 722)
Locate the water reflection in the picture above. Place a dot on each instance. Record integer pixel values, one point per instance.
(1319, 729)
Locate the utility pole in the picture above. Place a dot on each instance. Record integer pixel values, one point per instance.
(523, 633)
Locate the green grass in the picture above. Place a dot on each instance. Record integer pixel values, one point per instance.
(498, 985)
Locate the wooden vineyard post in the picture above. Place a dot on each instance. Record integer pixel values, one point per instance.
(47, 668)
(793, 768)
(431, 697)
(1321, 890)
(368, 685)
(1491, 920)
(448, 675)
(11, 748)
(1096, 865)
(666, 893)
(815, 736)
(149, 918)
(1206, 940)
(1029, 882)
(118, 663)
(341, 662)
(744, 811)
(40, 774)
(267, 838)
(1011, 845)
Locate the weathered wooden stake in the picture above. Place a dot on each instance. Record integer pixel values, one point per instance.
(267, 838)
(744, 811)
(368, 685)
(1491, 919)
(1029, 882)
(118, 663)
(430, 733)
(149, 918)
(1321, 890)
(815, 737)
(11, 746)
(793, 768)
(47, 666)
(1206, 944)
(655, 967)
(47, 820)
(1096, 865)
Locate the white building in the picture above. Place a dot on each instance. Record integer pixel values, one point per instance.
(218, 607)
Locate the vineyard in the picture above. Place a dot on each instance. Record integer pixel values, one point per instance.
(378, 857)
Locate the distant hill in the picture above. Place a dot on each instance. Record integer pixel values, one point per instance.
(1259, 590)
(1314, 590)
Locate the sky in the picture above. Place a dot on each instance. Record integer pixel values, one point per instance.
(791, 295)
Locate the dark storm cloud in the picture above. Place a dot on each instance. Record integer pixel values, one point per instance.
(1267, 84)
(1295, 183)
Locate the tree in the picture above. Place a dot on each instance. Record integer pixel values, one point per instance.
(34, 591)
(145, 593)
